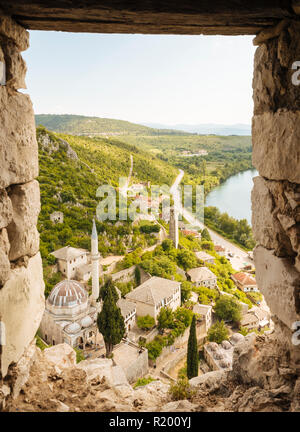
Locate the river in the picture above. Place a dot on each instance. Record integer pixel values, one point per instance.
(234, 195)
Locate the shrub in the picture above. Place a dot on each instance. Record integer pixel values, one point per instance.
(143, 381)
(228, 309)
(218, 332)
(181, 390)
(145, 322)
(165, 318)
(79, 355)
(154, 349)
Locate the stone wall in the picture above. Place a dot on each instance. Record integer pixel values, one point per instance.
(276, 193)
(21, 279)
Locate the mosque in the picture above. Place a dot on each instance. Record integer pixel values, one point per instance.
(70, 314)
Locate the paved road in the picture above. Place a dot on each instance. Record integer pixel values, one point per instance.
(123, 189)
(240, 256)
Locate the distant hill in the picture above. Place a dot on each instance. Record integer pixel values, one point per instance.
(96, 126)
(206, 129)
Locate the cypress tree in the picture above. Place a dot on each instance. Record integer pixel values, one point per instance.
(108, 285)
(110, 322)
(192, 353)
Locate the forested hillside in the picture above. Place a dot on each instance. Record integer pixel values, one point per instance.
(71, 170)
(93, 126)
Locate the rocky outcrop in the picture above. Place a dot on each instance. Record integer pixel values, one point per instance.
(21, 279)
(21, 309)
(50, 144)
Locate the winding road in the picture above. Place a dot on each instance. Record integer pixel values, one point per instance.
(240, 258)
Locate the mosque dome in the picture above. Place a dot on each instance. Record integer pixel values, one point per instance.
(73, 328)
(67, 293)
(86, 321)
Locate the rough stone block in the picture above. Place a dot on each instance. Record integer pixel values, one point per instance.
(11, 30)
(279, 282)
(18, 146)
(276, 150)
(15, 67)
(4, 261)
(21, 308)
(6, 211)
(22, 232)
(269, 226)
(22, 242)
(272, 81)
(62, 355)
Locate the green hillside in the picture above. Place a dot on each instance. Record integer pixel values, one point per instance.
(94, 126)
(71, 170)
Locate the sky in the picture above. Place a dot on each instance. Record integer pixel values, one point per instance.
(142, 78)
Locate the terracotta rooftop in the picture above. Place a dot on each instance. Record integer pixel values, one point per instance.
(244, 279)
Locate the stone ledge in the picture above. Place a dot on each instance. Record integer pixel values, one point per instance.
(279, 282)
(21, 308)
(18, 145)
(276, 150)
(11, 30)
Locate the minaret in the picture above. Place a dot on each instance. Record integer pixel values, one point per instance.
(95, 264)
(173, 227)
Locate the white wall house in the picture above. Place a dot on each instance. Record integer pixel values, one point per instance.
(202, 276)
(154, 294)
(204, 311)
(244, 282)
(128, 311)
(69, 259)
(205, 257)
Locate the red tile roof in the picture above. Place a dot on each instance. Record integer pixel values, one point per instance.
(244, 278)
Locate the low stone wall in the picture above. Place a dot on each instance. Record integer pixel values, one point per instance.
(201, 334)
(21, 278)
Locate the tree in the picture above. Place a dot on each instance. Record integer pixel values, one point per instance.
(229, 309)
(192, 352)
(186, 259)
(108, 285)
(145, 322)
(218, 332)
(186, 291)
(165, 318)
(110, 322)
(205, 235)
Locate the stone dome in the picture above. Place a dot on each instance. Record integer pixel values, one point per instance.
(86, 321)
(67, 293)
(236, 337)
(73, 328)
(226, 345)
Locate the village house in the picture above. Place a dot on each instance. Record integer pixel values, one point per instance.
(244, 282)
(154, 294)
(205, 311)
(255, 318)
(57, 217)
(69, 259)
(74, 263)
(202, 276)
(205, 257)
(220, 250)
(128, 311)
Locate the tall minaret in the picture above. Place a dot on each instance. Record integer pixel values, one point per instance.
(95, 264)
(173, 227)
